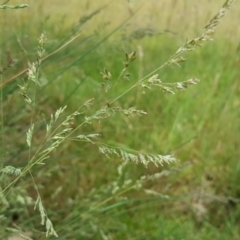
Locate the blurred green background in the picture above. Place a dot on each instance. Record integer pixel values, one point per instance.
(200, 126)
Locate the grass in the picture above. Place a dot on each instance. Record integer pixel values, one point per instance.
(200, 126)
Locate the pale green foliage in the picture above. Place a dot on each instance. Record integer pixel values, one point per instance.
(29, 135)
(44, 218)
(144, 158)
(10, 170)
(88, 138)
(14, 7)
(41, 43)
(50, 229)
(154, 193)
(54, 118)
(88, 104)
(106, 112)
(32, 73)
(154, 81)
(130, 112)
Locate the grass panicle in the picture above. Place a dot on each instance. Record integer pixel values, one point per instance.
(84, 126)
(143, 158)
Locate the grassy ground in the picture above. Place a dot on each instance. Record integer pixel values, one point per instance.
(198, 197)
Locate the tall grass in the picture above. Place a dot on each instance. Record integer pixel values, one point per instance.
(94, 210)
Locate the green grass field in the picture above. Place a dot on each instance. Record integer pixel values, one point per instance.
(81, 189)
